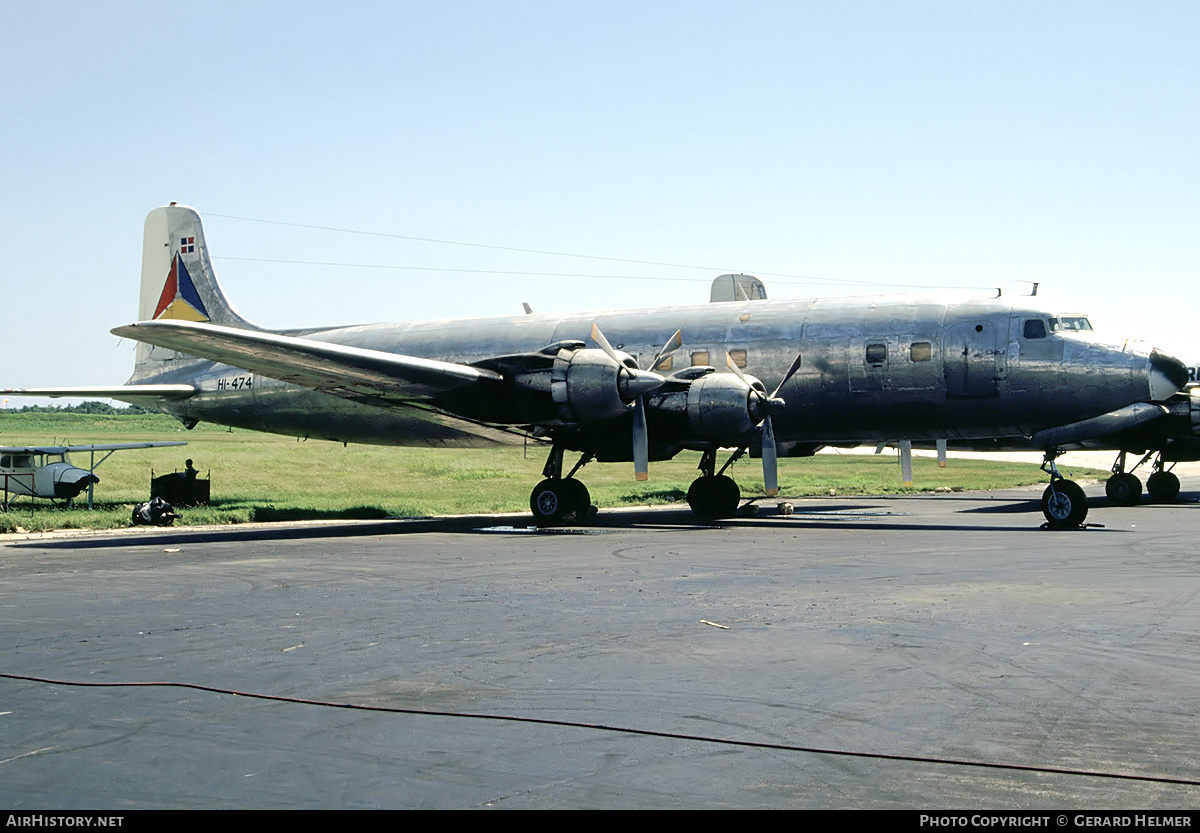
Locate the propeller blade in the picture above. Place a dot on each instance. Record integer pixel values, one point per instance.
(673, 344)
(787, 376)
(641, 441)
(769, 458)
(599, 338)
(737, 370)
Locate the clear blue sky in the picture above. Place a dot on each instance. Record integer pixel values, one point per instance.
(903, 143)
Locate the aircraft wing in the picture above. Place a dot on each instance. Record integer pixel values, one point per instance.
(108, 392)
(67, 449)
(313, 364)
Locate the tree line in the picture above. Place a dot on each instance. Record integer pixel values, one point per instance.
(90, 407)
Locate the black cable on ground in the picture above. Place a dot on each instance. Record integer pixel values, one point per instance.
(781, 747)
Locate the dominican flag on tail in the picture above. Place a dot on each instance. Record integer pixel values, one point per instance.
(179, 298)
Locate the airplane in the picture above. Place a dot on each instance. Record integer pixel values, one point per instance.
(768, 377)
(46, 471)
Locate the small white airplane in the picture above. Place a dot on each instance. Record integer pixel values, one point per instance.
(46, 471)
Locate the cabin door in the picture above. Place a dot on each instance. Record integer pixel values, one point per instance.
(972, 360)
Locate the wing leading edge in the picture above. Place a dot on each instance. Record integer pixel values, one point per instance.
(313, 364)
(69, 449)
(121, 392)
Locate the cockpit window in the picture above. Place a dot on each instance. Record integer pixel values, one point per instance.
(1035, 328)
(1071, 323)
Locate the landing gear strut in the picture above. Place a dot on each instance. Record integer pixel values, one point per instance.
(714, 494)
(557, 499)
(1063, 503)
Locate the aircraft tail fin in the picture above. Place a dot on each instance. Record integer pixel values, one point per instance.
(178, 281)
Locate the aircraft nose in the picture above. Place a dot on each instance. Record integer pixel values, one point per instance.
(1167, 375)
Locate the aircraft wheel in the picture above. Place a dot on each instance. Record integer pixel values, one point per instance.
(578, 499)
(1064, 504)
(550, 502)
(714, 497)
(1123, 489)
(1163, 486)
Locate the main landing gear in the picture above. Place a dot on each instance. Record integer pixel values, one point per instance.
(561, 500)
(1124, 489)
(557, 499)
(1063, 503)
(714, 494)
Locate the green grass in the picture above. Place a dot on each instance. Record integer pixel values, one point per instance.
(262, 477)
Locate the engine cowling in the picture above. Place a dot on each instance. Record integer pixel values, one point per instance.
(715, 407)
(588, 385)
(722, 407)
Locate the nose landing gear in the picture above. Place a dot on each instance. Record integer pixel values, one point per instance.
(1064, 502)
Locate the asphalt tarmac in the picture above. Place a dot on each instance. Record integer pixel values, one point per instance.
(884, 653)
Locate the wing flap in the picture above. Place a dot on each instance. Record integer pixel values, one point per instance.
(317, 365)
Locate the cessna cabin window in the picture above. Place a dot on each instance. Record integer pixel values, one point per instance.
(1035, 328)
(876, 354)
(920, 351)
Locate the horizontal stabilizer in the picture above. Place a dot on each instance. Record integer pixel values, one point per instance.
(121, 392)
(317, 365)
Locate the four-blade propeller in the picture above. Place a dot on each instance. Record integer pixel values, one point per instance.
(638, 383)
(766, 405)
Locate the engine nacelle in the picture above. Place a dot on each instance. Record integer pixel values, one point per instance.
(723, 407)
(718, 407)
(587, 385)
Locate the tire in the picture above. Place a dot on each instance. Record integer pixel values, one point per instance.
(714, 497)
(1163, 486)
(550, 503)
(579, 500)
(1064, 504)
(1123, 490)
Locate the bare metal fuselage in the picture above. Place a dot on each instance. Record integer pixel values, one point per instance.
(871, 370)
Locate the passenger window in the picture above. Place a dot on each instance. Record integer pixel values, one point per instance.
(700, 358)
(876, 354)
(664, 364)
(739, 357)
(1035, 328)
(921, 351)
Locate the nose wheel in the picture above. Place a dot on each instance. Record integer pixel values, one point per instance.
(1064, 502)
